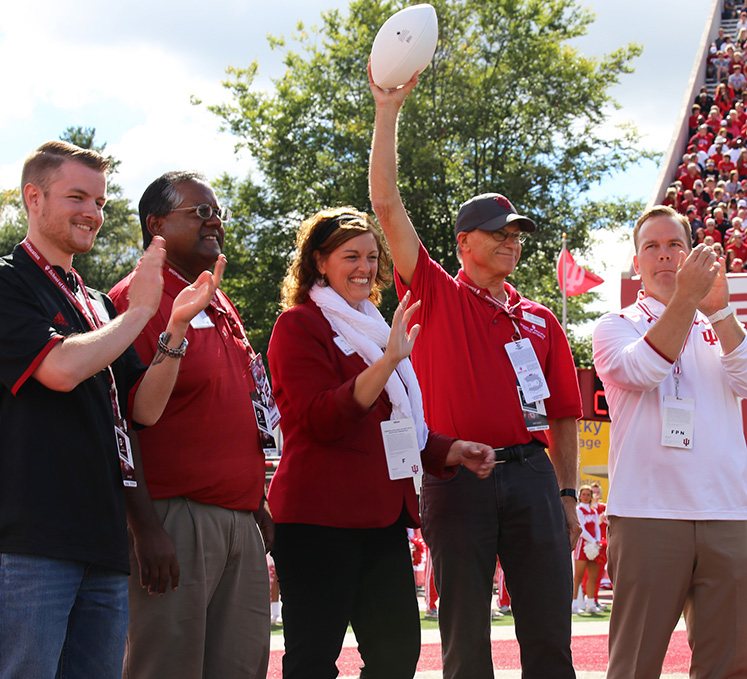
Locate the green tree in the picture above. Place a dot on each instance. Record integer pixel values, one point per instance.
(117, 246)
(13, 223)
(257, 253)
(507, 105)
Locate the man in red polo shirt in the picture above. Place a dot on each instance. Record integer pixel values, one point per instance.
(204, 467)
(479, 341)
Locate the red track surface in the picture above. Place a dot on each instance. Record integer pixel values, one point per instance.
(589, 655)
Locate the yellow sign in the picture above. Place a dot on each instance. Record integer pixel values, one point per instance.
(594, 448)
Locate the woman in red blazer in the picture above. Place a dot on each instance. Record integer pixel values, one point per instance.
(341, 551)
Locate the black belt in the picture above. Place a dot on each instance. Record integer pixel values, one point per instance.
(515, 453)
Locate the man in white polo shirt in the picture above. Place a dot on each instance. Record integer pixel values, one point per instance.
(674, 365)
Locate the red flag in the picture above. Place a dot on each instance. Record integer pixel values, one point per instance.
(578, 280)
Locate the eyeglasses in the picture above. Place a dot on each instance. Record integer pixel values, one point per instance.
(206, 211)
(502, 236)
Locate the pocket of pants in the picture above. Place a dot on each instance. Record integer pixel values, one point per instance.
(540, 463)
(430, 481)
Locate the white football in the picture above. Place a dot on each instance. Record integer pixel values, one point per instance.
(404, 45)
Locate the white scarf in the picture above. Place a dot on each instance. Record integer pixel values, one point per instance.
(366, 331)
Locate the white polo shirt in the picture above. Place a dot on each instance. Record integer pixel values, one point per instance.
(647, 479)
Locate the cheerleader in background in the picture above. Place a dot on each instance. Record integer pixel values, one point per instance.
(603, 580)
(586, 552)
(431, 594)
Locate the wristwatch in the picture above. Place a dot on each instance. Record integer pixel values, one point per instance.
(569, 492)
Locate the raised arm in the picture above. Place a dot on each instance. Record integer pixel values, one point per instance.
(400, 234)
(158, 382)
(81, 356)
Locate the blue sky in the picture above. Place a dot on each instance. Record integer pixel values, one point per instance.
(128, 69)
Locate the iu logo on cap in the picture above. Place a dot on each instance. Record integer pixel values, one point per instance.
(503, 202)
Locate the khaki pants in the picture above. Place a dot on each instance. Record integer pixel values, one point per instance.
(216, 625)
(661, 568)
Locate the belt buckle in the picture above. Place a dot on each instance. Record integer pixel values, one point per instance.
(496, 450)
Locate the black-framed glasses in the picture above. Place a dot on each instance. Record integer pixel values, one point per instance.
(206, 211)
(501, 236)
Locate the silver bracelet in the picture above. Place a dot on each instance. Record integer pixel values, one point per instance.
(721, 315)
(172, 353)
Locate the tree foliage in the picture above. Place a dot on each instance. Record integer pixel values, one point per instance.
(116, 249)
(13, 222)
(507, 105)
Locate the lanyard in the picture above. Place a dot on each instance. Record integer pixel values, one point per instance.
(677, 365)
(88, 312)
(487, 297)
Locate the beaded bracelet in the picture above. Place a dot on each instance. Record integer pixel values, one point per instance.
(172, 353)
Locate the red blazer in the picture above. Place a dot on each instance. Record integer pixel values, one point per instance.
(333, 469)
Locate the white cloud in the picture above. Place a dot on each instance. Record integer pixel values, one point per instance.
(129, 69)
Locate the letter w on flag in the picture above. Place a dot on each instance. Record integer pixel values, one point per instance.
(578, 280)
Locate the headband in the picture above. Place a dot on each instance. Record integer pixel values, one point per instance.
(329, 227)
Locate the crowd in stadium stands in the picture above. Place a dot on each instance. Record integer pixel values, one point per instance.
(732, 10)
(710, 185)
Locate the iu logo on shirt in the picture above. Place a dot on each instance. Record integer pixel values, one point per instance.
(710, 336)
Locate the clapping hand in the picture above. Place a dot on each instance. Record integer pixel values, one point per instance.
(195, 297)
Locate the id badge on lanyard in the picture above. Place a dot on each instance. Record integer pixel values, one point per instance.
(263, 391)
(85, 306)
(678, 416)
(266, 412)
(677, 412)
(531, 384)
(528, 370)
(530, 381)
(401, 448)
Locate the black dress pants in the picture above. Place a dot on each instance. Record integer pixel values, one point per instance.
(515, 514)
(330, 577)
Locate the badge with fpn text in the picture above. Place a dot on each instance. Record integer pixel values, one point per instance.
(679, 422)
